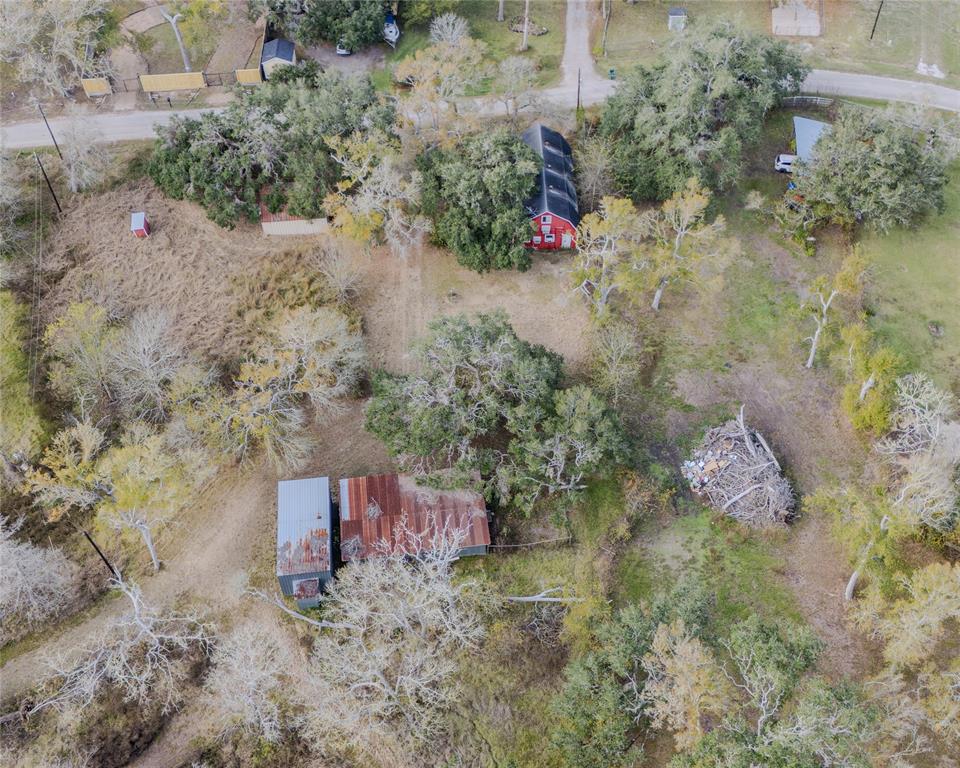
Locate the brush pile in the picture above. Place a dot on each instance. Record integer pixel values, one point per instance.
(737, 473)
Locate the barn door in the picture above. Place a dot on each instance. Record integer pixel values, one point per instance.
(566, 241)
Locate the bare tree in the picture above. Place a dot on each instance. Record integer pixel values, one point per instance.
(918, 418)
(11, 200)
(36, 583)
(142, 654)
(929, 489)
(593, 161)
(248, 680)
(618, 361)
(49, 44)
(340, 270)
(393, 624)
(518, 78)
(683, 684)
(84, 158)
(145, 360)
(448, 28)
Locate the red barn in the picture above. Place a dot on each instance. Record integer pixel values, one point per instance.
(552, 208)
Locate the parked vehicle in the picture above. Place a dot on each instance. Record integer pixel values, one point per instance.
(391, 32)
(342, 49)
(784, 163)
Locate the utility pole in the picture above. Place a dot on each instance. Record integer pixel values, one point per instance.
(579, 80)
(879, 8)
(52, 137)
(114, 573)
(47, 179)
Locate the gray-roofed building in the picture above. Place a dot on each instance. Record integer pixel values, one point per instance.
(277, 53)
(553, 206)
(807, 133)
(304, 547)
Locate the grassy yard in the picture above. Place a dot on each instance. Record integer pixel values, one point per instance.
(162, 53)
(21, 428)
(916, 282)
(637, 33)
(546, 50)
(908, 31)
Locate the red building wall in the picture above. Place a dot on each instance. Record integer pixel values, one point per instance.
(549, 231)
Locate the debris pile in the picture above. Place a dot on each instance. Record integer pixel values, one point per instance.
(735, 470)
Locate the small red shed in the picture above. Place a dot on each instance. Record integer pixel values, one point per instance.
(553, 210)
(139, 224)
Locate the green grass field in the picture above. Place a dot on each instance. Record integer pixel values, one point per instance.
(916, 281)
(163, 54)
(21, 427)
(907, 31)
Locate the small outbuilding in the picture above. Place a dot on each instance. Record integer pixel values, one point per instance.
(374, 509)
(283, 223)
(139, 224)
(304, 541)
(277, 53)
(676, 19)
(553, 209)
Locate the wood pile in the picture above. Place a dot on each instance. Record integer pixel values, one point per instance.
(737, 473)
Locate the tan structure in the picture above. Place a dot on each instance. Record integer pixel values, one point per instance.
(249, 76)
(282, 223)
(796, 18)
(96, 86)
(178, 81)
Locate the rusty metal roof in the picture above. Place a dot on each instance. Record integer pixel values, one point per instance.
(371, 508)
(303, 526)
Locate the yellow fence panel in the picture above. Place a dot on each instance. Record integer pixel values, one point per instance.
(249, 76)
(96, 86)
(178, 81)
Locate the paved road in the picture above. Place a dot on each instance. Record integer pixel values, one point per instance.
(125, 126)
(886, 88)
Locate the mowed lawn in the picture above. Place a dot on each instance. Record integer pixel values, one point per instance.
(908, 31)
(916, 282)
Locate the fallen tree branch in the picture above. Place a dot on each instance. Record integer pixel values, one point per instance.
(277, 600)
(544, 597)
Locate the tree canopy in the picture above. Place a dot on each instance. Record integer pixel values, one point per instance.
(874, 168)
(481, 385)
(275, 136)
(475, 193)
(692, 113)
(358, 23)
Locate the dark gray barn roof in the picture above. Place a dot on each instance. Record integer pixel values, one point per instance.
(556, 192)
(277, 49)
(303, 526)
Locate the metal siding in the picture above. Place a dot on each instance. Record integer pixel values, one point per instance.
(399, 496)
(303, 526)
